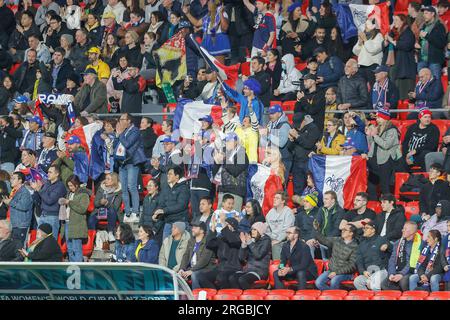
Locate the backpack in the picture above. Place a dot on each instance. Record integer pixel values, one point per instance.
(414, 183)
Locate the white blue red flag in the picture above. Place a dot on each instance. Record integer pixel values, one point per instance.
(345, 175)
(188, 113)
(262, 184)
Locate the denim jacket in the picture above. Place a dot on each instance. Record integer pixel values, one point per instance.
(21, 207)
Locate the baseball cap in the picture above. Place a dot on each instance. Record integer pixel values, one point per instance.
(21, 99)
(370, 224)
(207, 118)
(275, 108)
(429, 9)
(184, 24)
(89, 71)
(49, 134)
(169, 139)
(381, 69)
(310, 76)
(94, 50)
(199, 224)
(73, 140)
(36, 119)
(231, 136)
(318, 50)
(109, 15)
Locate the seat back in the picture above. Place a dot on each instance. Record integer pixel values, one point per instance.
(88, 247)
(276, 297)
(224, 296)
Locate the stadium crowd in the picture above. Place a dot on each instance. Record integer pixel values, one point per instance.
(301, 96)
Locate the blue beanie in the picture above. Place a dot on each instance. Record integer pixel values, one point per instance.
(253, 85)
(294, 6)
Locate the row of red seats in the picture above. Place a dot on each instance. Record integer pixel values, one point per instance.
(286, 294)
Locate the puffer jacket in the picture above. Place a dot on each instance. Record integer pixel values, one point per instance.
(353, 90)
(343, 256)
(290, 74)
(175, 202)
(257, 256)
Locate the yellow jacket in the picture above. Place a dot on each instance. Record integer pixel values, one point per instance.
(335, 148)
(102, 69)
(249, 140)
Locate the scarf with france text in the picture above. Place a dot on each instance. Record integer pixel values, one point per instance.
(423, 255)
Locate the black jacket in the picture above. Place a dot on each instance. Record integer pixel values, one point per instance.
(305, 143)
(19, 41)
(9, 250)
(266, 89)
(8, 150)
(438, 266)
(132, 94)
(25, 77)
(148, 137)
(53, 41)
(422, 140)
(7, 24)
(257, 256)
(394, 224)
(437, 42)
(405, 62)
(330, 219)
(47, 250)
(313, 103)
(369, 253)
(299, 258)
(65, 71)
(226, 246)
(175, 202)
(353, 90)
(150, 205)
(275, 75)
(431, 194)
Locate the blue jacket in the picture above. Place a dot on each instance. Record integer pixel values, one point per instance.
(331, 71)
(431, 95)
(21, 208)
(81, 163)
(125, 252)
(148, 254)
(358, 137)
(45, 160)
(131, 140)
(48, 197)
(257, 105)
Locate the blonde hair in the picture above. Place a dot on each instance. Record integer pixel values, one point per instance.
(114, 177)
(276, 164)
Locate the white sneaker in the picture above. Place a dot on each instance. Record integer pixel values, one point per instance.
(111, 237)
(134, 217)
(127, 219)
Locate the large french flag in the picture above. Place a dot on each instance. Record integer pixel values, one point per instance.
(379, 12)
(262, 184)
(86, 133)
(228, 74)
(345, 175)
(187, 114)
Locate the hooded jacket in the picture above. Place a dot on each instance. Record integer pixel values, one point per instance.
(438, 223)
(288, 75)
(279, 222)
(226, 247)
(257, 256)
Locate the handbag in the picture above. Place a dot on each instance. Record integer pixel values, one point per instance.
(102, 213)
(63, 213)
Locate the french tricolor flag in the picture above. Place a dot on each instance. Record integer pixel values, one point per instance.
(262, 184)
(188, 113)
(345, 175)
(86, 133)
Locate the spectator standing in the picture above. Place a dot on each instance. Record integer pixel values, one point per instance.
(311, 100)
(117, 8)
(330, 70)
(132, 87)
(46, 6)
(20, 205)
(148, 136)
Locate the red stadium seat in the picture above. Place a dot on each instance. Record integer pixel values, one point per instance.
(442, 126)
(251, 297)
(337, 293)
(272, 103)
(288, 105)
(360, 293)
(276, 297)
(442, 295)
(400, 179)
(410, 298)
(402, 106)
(282, 292)
(329, 297)
(236, 292)
(357, 297)
(258, 292)
(315, 293)
(392, 293)
(88, 247)
(411, 209)
(170, 107)
(375, 206)
(208, 291)
(303, 297)
(384, 297)
(272, 267)
(31, 237)
(225, 297)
